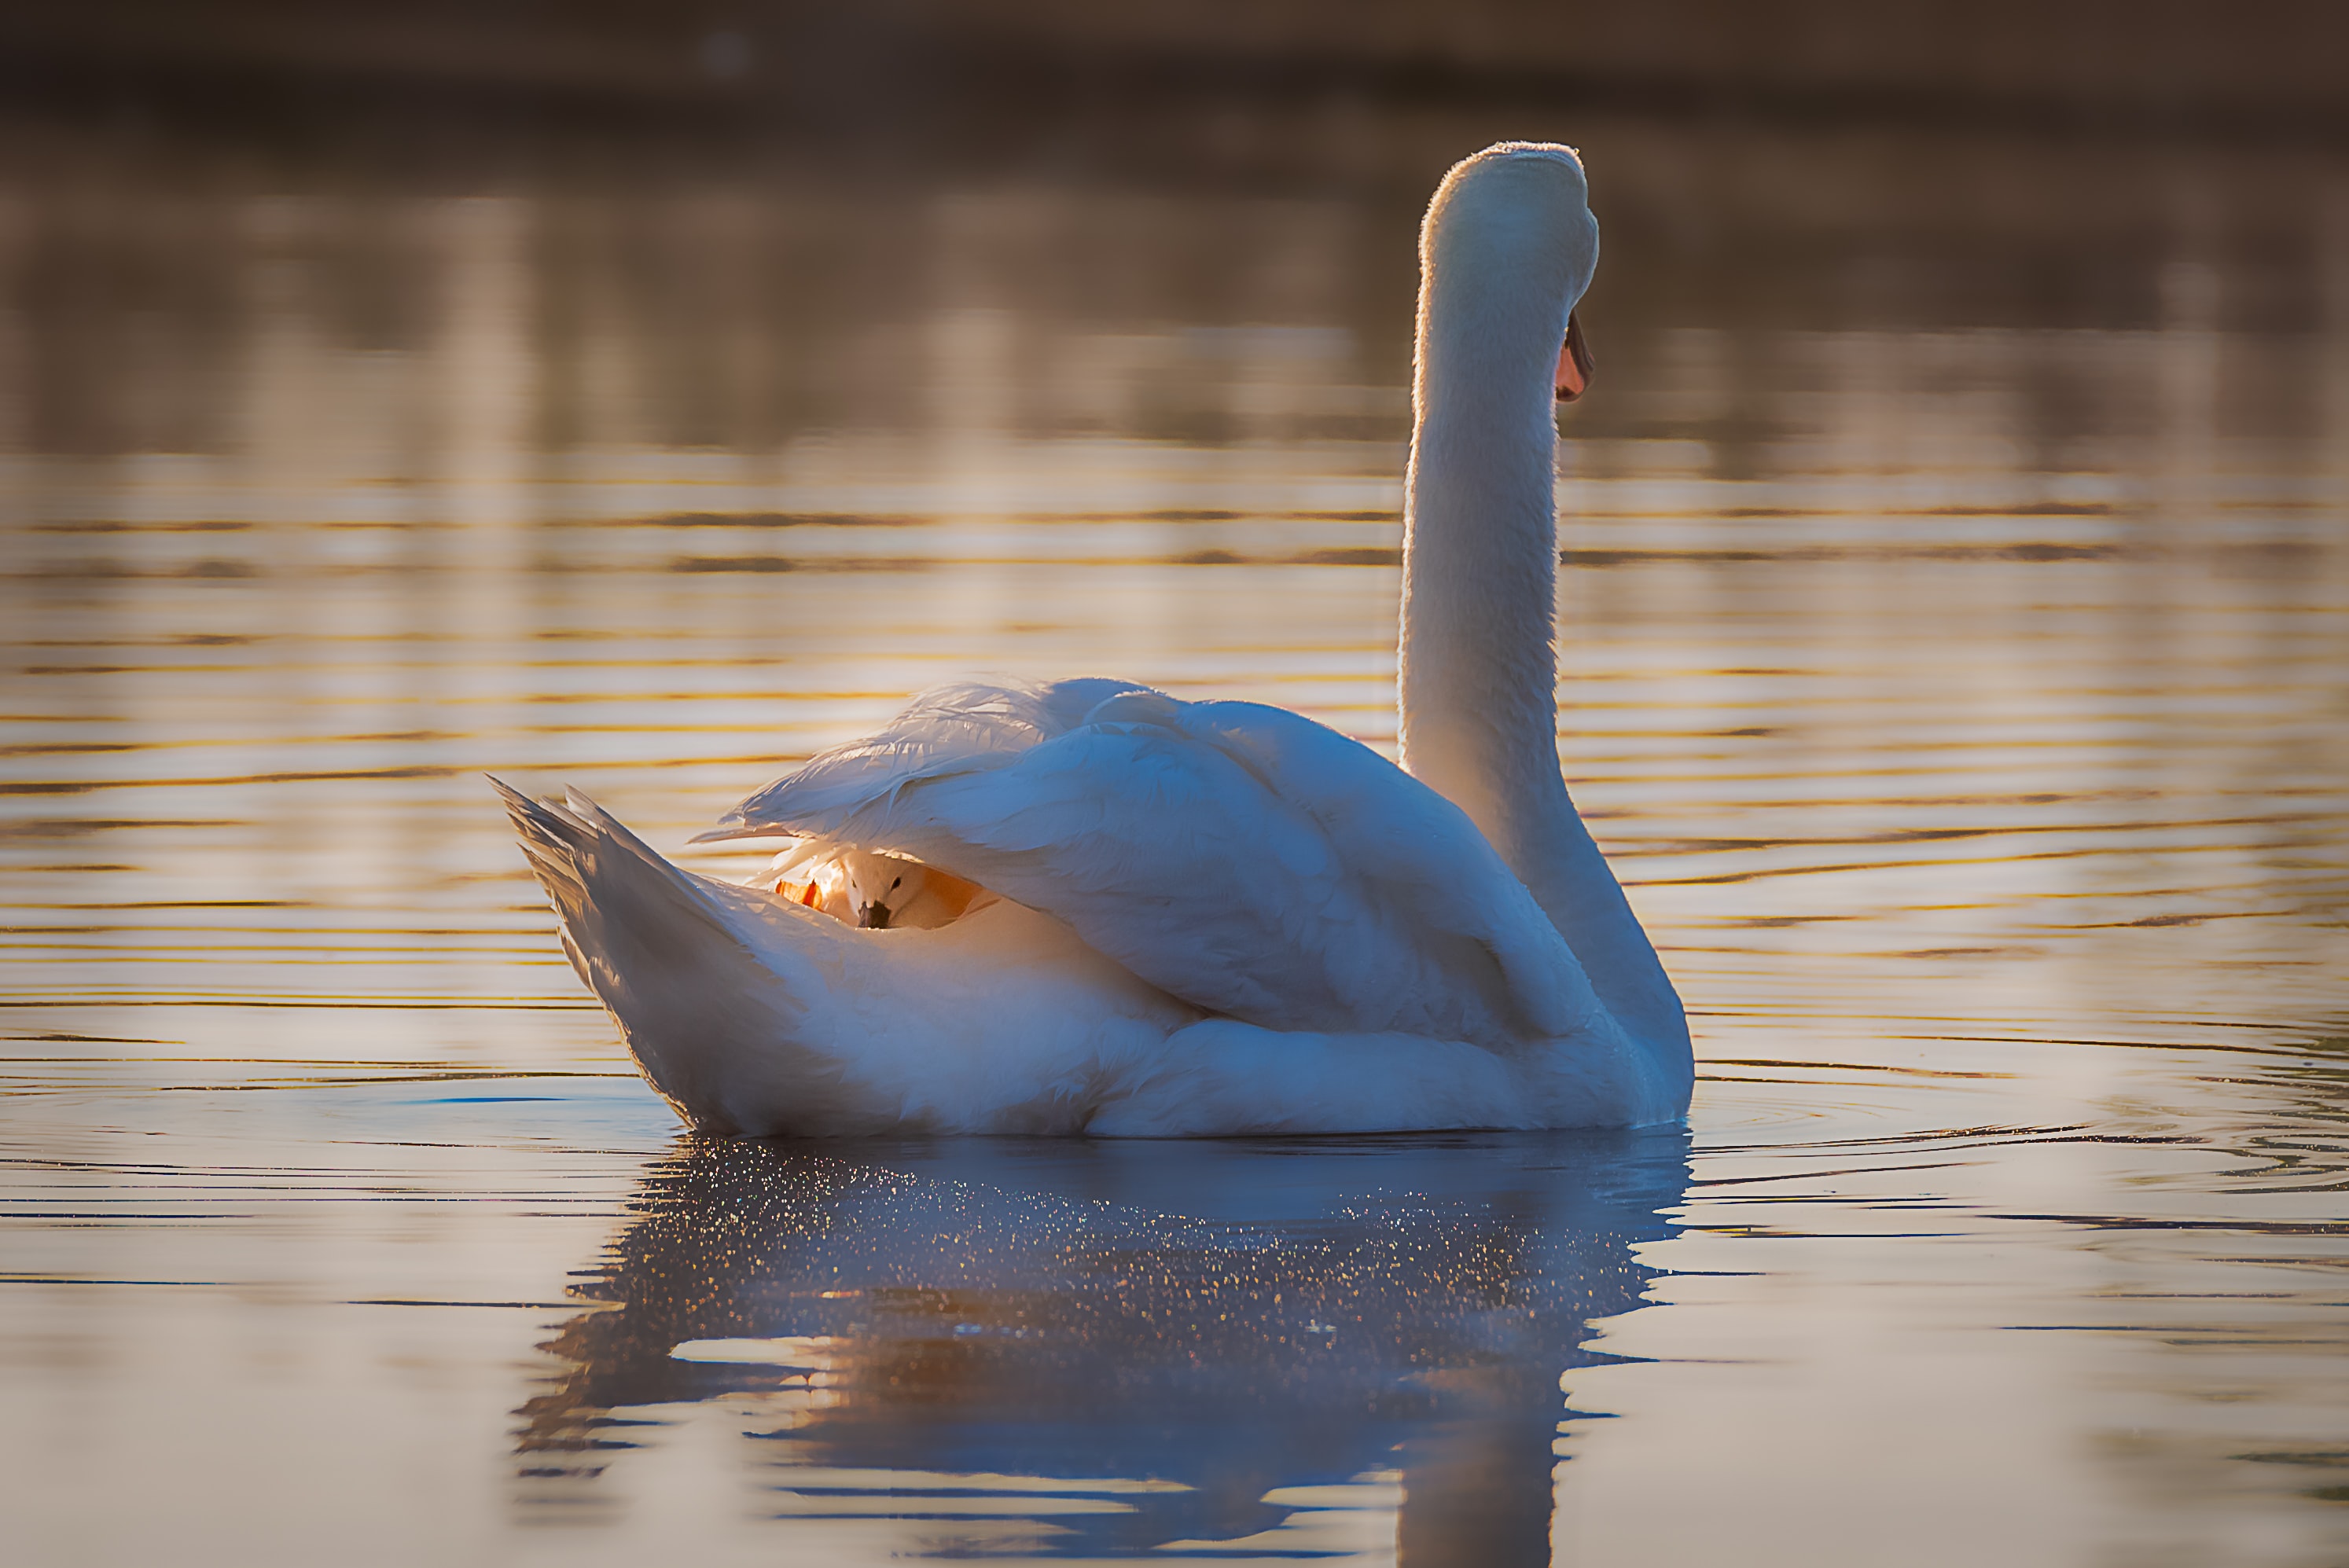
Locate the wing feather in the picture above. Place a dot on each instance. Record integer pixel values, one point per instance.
(1243, 858)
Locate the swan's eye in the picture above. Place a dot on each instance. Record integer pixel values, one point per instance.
(895, 885)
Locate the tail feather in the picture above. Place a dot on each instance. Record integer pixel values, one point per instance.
(552, 838)
(666, 953)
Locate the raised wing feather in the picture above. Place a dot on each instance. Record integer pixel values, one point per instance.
(963, 727)
(1245, 859)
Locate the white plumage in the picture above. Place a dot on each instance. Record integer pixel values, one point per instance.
(1198, 918)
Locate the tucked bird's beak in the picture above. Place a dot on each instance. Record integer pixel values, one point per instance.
(1574, 367)
(874, 918)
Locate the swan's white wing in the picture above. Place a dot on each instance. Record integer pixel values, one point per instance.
(1245, 859)
(1411, 846)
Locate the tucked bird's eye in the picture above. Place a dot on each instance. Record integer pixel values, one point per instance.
(895, 885)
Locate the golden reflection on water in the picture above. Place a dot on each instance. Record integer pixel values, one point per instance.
(1165, 1338)
(1956, 677)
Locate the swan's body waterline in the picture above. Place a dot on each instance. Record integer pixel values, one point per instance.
(1215, 918)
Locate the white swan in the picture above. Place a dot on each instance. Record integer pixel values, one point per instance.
(1217, 917)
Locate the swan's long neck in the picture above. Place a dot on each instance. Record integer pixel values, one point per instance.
(1478, 677)
(1480, 559)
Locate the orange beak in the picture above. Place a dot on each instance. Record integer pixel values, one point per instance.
(1574, 367)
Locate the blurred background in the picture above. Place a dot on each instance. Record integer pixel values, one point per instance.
(727, 225)
(1954, 664)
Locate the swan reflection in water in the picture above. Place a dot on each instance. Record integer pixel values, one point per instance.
(1115, 1347)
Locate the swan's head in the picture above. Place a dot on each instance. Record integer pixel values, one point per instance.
(1508, 247)
(878, 886)
(885, 892)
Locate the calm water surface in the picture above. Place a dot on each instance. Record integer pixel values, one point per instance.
(1960, 681)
